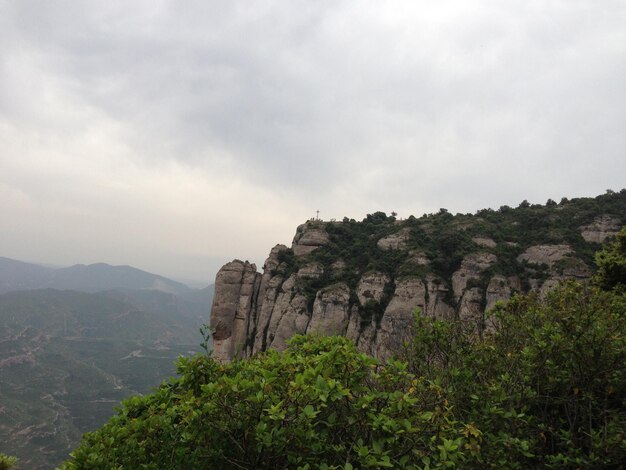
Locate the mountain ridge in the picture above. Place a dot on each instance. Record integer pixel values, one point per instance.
(20, 275)
(364, 279)
(68, 356)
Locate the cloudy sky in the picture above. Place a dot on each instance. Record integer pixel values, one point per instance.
(174, 136)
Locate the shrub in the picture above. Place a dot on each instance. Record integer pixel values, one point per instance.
(319, 404)
(546, 389)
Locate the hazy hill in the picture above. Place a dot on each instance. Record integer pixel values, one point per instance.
(191, 307)
(17, 275)
(67, 358)
(75, 341)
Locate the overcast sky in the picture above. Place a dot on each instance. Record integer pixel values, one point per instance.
(175, 136)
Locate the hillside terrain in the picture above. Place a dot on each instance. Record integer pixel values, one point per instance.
(364, 279)
(18, 275)
(67, 358)
(543, 387)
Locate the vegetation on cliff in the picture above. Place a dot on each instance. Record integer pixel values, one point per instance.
(545, 388)
(442, 240)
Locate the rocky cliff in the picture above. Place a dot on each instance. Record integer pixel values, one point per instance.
(365, 279)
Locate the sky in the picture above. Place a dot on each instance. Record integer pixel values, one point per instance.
(177, 136)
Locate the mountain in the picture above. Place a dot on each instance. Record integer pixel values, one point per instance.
(100, 276)
(17, 275)
(76, 341)
(365, 279)
(68, 358)
(191, 307)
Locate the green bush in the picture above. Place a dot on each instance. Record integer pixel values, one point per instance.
(7, 462)
(547, 388)
(319, 404)
(611, 262)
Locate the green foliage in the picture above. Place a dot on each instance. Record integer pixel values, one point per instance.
(543, 386)
(446, 239)
(546, 388)
(7, 462)
(319, 404)
(611, 262)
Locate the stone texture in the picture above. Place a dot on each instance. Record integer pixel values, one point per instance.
(371, 287)
(309, 237)
(600, 229)
(292, 319)
(232, 308)
(330, 311)
(437, 293)
(395, 241)
(484, 242)
(396, 326)
(338, 265)
(545, 254)
(418, 258)
(311, 271)
(499, 289)
(471, 267)
(470, 310)
(252, 312)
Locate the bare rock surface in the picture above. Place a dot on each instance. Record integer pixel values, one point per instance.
(545, 254)
(418, 258)
(395, 241)
(371, 287)
(292, 319)
(253, 312)
(309, 237)
(330, 311)
(499, 289)
(471, 267)
(311, 271)
(471, 310)
(437, 305)
(485, 242)
(232, 306)
(600, 229)
(396, 326)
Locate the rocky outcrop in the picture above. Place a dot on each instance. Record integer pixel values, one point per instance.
(309, 237)
(545, 254)
(371, 287)
(600, 229)
(311, 271)
(395, 241)
(396, 326)
(560, 262)
(418, 258)
(233, 307)
(302, 291)
(330, 311)
(484, 242)
(499, 289)
(471, 268)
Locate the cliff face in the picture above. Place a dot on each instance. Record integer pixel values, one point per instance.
(365, 279)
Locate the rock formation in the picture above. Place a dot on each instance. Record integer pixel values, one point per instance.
(323, 285)
(603, 227)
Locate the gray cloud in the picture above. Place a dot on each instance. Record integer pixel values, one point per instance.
(347, 106)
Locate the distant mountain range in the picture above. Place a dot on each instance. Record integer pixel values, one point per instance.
(76, 341)
(18, 275)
